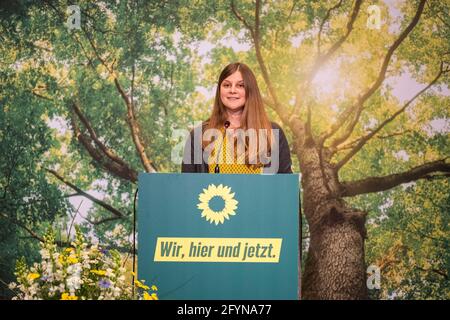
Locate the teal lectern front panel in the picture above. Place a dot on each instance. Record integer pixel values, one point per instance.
(224, 236)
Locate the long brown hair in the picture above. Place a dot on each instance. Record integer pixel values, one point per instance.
(253, 115)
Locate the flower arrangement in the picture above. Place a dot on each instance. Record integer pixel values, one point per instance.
(79, 272)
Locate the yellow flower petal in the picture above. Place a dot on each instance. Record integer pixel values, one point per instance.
(147, 296)
(66, 296)
(230, 204)
(141, 285)
(32, 276)
(99, 272)
(72, 260)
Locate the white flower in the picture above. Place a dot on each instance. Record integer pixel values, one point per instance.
(86, 265)
(116, 292)
(109, 272)
(73, 282)
(34, 288)
(74, 269)
(44, 254)
(48, 269)
(85, 255)
(59, 276)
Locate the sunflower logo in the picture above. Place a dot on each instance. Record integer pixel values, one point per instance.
(217, 203)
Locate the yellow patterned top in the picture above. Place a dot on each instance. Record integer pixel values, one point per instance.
(229, 165)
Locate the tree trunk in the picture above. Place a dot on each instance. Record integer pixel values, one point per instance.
(335, 267)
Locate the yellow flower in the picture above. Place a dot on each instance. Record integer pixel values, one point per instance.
(72, 259)
(153, 296)
(154, 288)
(69, 249)
(99, 272)
(61, 259)
(32, 276)
(141, 285)
(147, 296)
(66, 296)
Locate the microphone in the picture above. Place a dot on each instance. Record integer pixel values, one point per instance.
(226, 125)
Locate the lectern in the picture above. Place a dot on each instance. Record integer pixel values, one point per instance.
(219, 236)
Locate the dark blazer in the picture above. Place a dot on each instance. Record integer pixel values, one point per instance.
(285, 162)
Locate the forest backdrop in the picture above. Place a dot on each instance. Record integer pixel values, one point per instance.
(359, 87)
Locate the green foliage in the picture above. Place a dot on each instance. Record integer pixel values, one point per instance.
(408, 238)
(27, 199)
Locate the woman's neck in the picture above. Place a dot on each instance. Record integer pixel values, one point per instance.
(234, 116)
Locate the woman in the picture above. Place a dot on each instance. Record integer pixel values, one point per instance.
(238, 137)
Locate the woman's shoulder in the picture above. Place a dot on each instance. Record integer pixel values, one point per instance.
(275, 125)
(202, 126)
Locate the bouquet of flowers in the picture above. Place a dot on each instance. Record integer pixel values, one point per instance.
(79, 272)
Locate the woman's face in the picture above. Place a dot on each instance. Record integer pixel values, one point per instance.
(232, 91)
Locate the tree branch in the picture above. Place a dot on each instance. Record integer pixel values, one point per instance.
(108, 219)
(437, 14)
(59, 243)
(107, 151)
(101, 203)
(90, 62)
(33, 234)
(320, 61)
(294, 3)
(122, 171)
(352, 144)
(97, 54)
(356, 109)
(33, 91)
(133, 74)
(377, 184)
(240, 18)
(327, 16)
(431, 177)
(366, 138)
(134, 128)
(442, 273)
